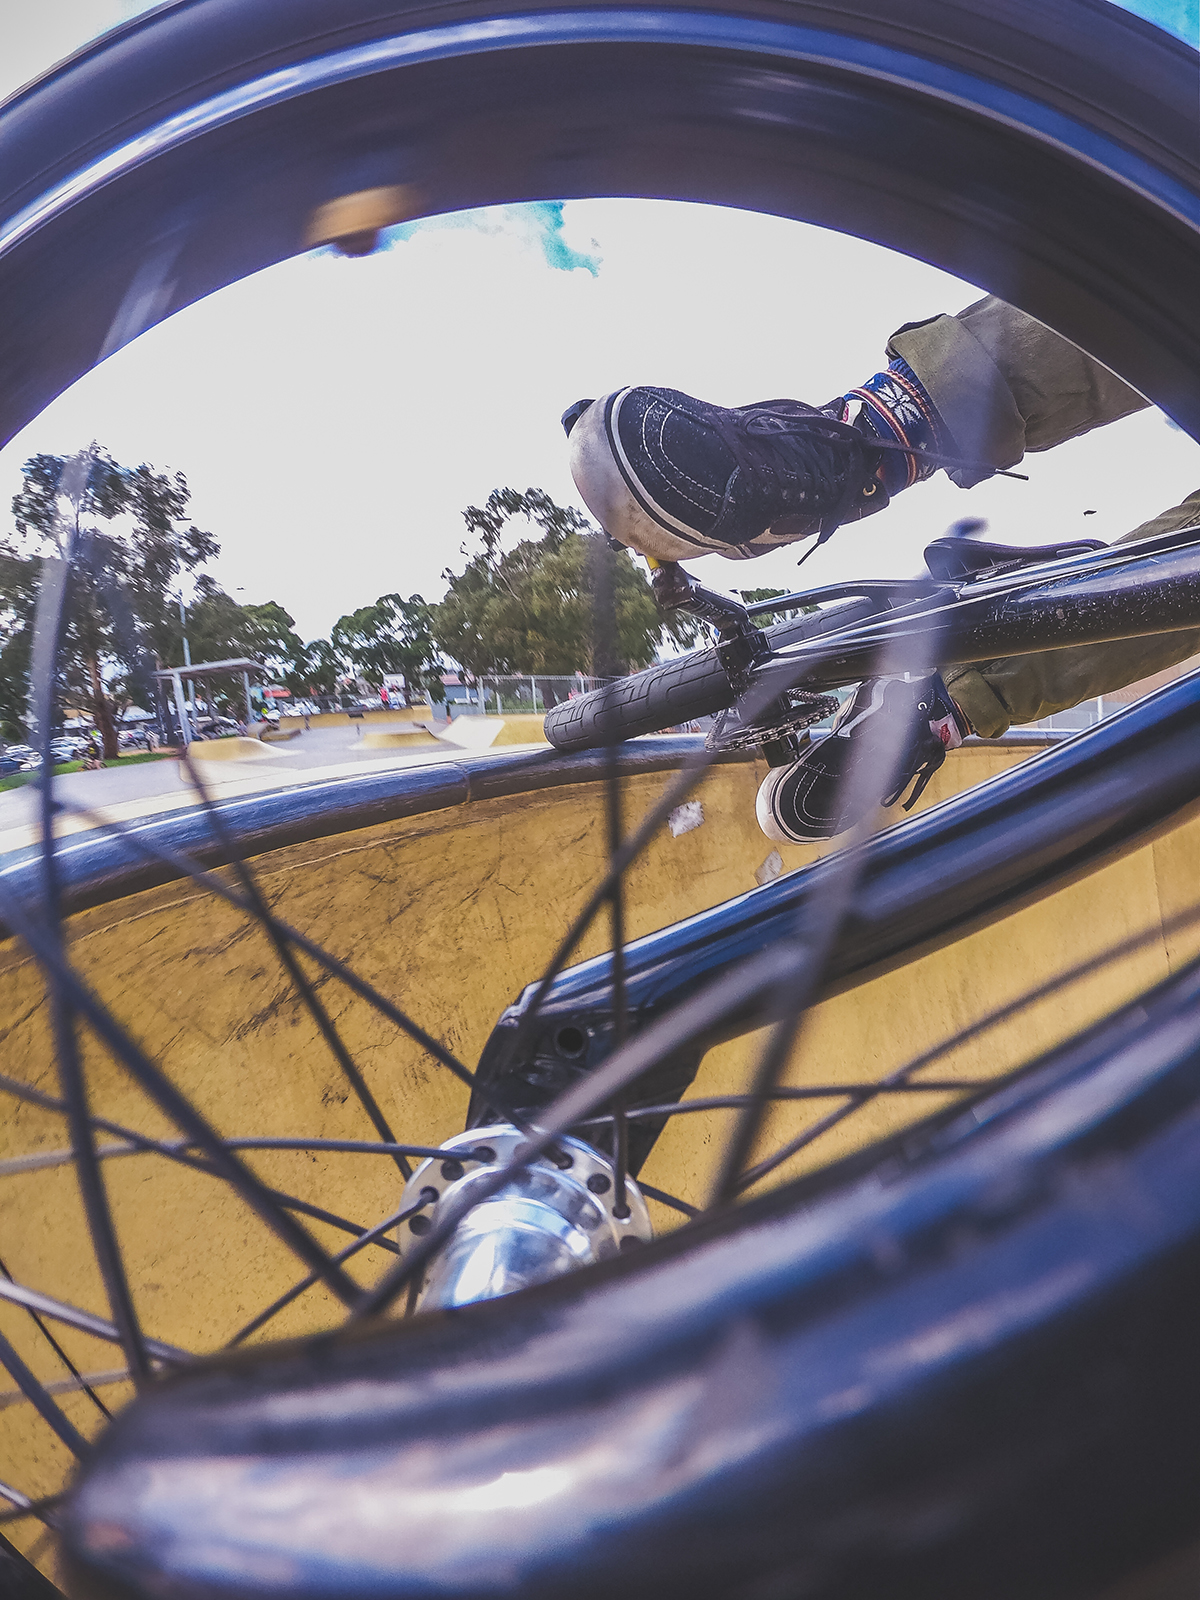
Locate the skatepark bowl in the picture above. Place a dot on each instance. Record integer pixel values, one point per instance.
(447, 886)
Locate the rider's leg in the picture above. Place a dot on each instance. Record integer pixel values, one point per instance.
(1001, 384)
(1005, 384)
(1015, 689)
(676, 477)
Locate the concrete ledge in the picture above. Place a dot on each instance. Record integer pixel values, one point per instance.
(231, 750)
(397, 739)
(393, 716)
(522, 728)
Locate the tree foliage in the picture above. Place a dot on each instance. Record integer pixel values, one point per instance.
(393, 636)
(532, 608)
(129, 539)
(315, 669)
(559, 601)
(220, 628)
(126, 549)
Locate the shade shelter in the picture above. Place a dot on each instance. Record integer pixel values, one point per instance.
(242, 666)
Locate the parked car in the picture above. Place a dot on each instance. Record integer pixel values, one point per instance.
(215, 727)
(9, 765)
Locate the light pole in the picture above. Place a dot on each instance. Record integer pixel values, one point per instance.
(185, 731)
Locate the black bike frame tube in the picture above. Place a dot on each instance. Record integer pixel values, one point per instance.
(1118, 592)
(1123, 597)
(999, 845)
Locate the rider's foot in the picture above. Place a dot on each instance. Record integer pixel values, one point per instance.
(808, 800)
(675, 477)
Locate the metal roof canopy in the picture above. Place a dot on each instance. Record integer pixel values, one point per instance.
(207, 669)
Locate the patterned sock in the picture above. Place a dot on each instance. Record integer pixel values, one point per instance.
(896, 406)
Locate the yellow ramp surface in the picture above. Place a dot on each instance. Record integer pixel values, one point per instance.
(450, 914)
(234, 749)
(397, 739)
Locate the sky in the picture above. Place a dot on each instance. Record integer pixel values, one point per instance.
(334, 416)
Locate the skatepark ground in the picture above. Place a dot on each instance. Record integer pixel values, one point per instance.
(144, 788)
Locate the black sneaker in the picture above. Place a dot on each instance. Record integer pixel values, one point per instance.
(675, 477)
(805, 802)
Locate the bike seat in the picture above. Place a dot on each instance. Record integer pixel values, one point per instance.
(963, 558)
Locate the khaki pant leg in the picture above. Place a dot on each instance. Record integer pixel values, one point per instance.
(1004, 383)
(995, 694)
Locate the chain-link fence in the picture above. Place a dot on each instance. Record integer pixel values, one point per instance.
(531, 692)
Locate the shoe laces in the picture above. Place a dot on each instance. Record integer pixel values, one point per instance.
(797, 458)
(812, 463)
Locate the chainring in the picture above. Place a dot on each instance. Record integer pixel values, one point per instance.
(730, 733)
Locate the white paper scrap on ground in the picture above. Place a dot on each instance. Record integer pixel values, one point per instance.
(770, 869)
(686, 817)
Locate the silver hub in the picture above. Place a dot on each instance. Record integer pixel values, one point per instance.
(555, 1216)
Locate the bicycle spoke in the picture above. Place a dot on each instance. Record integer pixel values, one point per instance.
(616, 900)
(77, 1385)
(665, 1199)
(823, 1091)
(178, 1151)
(690, 773)
(62, 1355)
(176, 1105)
(292, 967)
(24, 1507)
(606, 666)
(47, 627)
(45, 1305)
(867, 777)
(209, 880)
(755, 980)
(45, 1404)
(895, 1081)
(396, 1220)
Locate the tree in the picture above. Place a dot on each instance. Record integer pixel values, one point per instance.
(392, 636)
(532, 609)
(220, 628)
(18, 597)
(315, 670)
(118, 618)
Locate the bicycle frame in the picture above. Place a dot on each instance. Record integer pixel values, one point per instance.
(917, 891)
(1121, 592)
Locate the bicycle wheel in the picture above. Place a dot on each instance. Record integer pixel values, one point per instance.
(889, 1344)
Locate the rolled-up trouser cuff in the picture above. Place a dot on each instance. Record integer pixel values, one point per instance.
(1004, 383)
(968, 389)
(984, 710)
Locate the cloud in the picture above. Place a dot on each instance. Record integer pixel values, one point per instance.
(536, 223)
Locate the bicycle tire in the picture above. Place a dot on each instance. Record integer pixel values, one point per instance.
(119, 207)
(673, 692)
(1016, 107)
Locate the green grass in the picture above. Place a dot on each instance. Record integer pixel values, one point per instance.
(17, 780)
